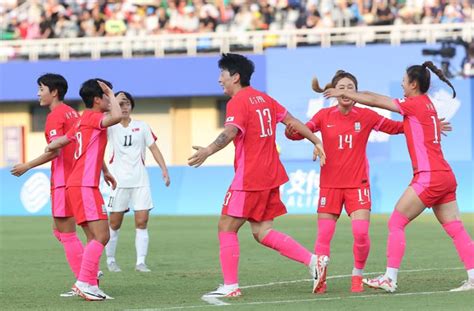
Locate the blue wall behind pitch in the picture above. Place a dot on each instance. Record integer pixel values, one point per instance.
(285, 75)
(142, 77)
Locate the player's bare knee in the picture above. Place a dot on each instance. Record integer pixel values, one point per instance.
(141, 224)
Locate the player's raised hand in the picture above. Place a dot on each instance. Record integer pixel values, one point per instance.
(166, 178)
(445, 126)
(120, 97)
(106, 89)
(199, 156)
(319, 152)
(110, 180)
(332, 92)
(19, 169)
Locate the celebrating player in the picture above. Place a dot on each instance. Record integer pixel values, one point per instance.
(129, 139)
(82, 187)
(345, 181)
(433, 184)
(254, 195)
(51, 91)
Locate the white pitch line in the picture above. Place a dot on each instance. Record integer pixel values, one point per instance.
(342, 276)
(382, 295)
(214, 302)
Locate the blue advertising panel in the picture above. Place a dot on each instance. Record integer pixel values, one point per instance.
(142, 77)
(201, 191)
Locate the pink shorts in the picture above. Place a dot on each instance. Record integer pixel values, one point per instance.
(87, 204)
(353, 199)
(59, 206)
(435, 187)
(255, 206)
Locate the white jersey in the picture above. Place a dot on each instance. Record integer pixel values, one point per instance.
(127, 161)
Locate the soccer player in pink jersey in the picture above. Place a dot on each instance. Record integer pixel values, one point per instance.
(254, 194)
(345, 131)
(82, 186)
(433, 184)
(51, 91)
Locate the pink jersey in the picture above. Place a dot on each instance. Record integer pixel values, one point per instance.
(91, 139)
(58, 123)
(257, 164)
(345, 141)
(422, 132)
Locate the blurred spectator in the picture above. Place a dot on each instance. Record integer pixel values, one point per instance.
(32, 19)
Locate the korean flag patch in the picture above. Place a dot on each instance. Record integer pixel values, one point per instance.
(229, 119)
(357, 126)
(52, 133)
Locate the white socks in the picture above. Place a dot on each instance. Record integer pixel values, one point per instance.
(470, 274)
(358, 272)
(112, 245)
(392, 273)
(141, 245)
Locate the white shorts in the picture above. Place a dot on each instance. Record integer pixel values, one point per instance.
(124, 199)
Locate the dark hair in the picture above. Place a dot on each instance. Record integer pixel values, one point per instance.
(422, 76)
(91, 89)
(128, 96)
(236, 63)
(340, 74)
(54, 82)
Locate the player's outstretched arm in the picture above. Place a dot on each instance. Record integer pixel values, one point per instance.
(221, 141)
(115, 114)
(21, 168)
(366, 98)
(303, 130)
(155, 151)
(57, 144)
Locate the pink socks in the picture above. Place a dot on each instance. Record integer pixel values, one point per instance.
(396, 239)
(360, 231)
(229, 256)
(326, 228)
(57, 234)
(287, 246)
(73, 249)
(90, 262)
(463, 243)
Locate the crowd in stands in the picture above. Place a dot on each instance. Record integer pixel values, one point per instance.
(39, 19)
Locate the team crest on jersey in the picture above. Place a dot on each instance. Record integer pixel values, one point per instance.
(357, 126)
(229, 119)
(323, 201)
(52, 133)
(137, 129)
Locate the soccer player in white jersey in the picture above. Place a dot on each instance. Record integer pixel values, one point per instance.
(129, 140)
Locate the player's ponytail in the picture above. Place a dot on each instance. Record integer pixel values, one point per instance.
(421, 74)
(315, 86)
(440, 75)
(338, 76)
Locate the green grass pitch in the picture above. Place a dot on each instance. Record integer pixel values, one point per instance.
(183, 257)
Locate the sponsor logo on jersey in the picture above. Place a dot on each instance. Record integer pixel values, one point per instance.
(323, 201)
(229, 119)
(52, 133)
(137, 129)
(357, 126)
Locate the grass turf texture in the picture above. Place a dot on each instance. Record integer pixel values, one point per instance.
(183, 257)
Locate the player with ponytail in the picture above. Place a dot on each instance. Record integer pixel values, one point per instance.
(433, 184)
